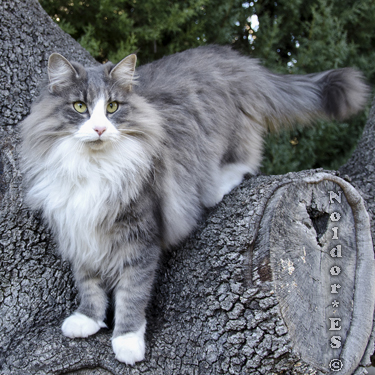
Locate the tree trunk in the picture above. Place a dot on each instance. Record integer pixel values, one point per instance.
(277, 279)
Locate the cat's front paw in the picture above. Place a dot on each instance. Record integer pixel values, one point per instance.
(130, 348)
(79, 325)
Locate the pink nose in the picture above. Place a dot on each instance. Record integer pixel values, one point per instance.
(100, 129)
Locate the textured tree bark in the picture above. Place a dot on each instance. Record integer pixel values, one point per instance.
(250, 292)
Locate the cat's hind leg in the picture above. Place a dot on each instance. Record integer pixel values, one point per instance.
(90, 315)
(230, 176)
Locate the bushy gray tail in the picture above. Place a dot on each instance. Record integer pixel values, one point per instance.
(334, 94)
(344, 93)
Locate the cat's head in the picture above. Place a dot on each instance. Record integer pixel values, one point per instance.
(94, 101)
(92, 111)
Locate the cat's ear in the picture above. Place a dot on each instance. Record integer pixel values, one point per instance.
(123, 72)
(60, 72)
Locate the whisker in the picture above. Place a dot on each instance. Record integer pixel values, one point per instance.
(47, 150)
(139, 140)
(132, 131)
(117, 146)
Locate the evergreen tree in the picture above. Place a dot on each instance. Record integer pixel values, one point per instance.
(306, 36)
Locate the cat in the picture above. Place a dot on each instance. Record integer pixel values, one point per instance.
(122, 165)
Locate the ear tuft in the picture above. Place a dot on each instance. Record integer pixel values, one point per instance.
(60, 72)
(123, 72)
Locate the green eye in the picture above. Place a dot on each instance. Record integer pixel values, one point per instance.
(80, 107)
(112, 107)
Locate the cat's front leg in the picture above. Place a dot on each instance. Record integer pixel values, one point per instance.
(132, 294)
(90, 315)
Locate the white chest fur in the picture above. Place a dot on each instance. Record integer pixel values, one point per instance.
(80, 189)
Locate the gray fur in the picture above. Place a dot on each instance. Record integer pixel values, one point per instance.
(189, 120)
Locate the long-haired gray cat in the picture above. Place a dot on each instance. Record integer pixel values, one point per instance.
(121, 167)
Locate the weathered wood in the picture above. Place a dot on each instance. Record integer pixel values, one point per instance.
(360, 169)
(302, 226)
(220, 305)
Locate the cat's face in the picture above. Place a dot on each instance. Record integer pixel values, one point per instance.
(97, 128)
(93, 103)
(92, 112)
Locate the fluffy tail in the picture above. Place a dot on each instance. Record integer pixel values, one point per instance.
(334, 94)
(343, 92)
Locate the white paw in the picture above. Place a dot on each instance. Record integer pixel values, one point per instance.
(79, 325)
(130, 348)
